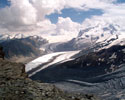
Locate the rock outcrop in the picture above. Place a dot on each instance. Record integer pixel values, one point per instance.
(15, 85)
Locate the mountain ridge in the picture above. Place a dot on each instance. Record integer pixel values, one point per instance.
(19, 49)
(93, 36)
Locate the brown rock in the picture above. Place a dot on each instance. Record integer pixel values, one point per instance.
(14, 85)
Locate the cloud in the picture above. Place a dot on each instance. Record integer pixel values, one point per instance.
(19, 15)
(90, 4)
(28, 16)
(24, 15)
(67, 26)
(115, 15)
(64, 30)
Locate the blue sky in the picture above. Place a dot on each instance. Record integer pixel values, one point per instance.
(76, 15)
(120, 1)
(4, 3)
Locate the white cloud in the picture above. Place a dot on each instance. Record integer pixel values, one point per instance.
(28, 16)
(89, 4)
(19, 15)
(114, 15)
(24, 15)
(64, 30)
(67, 26)
(46, 7)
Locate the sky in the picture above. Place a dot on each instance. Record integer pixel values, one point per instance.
(75, 15)
(62, 18)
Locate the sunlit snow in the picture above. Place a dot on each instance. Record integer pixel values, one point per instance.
(55, 57)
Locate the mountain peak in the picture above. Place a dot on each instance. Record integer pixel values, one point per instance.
(99, 32)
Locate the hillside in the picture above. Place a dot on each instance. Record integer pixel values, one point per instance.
(23, 49)
(100, 73)
(15, 85)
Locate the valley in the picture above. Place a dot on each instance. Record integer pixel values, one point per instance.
(62, 49)
(94, 66)
(90, 63)
(100, 73)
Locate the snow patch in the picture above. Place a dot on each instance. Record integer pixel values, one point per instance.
(114, 56)
(40, 60)
(57, 57)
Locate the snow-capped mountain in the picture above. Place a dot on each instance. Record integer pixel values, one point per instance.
(4, 37)
(99, 33)
(11, 36)
(19, 36)
(98, 36)
(20, 48)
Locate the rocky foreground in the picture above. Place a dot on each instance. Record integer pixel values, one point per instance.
(15, 85)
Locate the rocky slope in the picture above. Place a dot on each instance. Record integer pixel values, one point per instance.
(15, 85)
